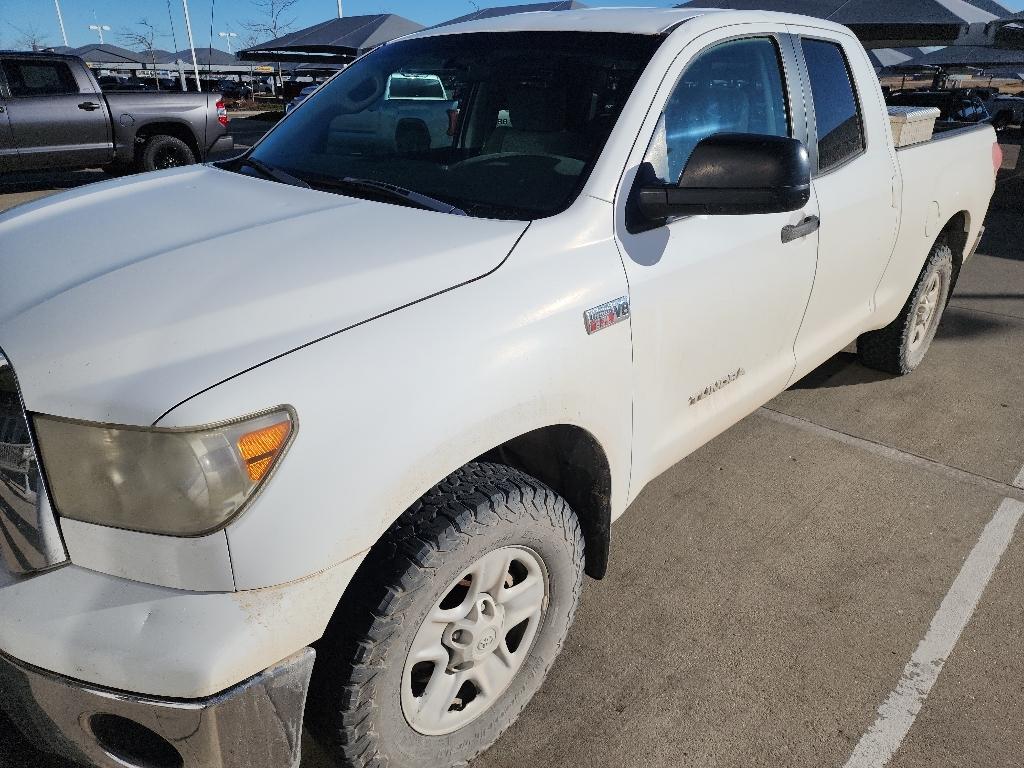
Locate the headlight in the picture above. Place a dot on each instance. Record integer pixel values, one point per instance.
(176, 482)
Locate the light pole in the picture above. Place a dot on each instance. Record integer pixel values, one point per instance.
(227, 36)
(191, 44)
(60, 20)
(101, 28)
(341, 15)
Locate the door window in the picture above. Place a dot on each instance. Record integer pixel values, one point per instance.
(840, 129)
(39, 78)
(734, 87)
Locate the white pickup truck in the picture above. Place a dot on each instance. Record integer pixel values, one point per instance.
(384, 413)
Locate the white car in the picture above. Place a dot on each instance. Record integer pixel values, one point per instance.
(304, 94)
(393, 402)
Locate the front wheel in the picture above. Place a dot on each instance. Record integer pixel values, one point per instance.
(901, 346)
(451, 624)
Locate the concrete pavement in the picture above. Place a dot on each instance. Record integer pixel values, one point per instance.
(766, 594)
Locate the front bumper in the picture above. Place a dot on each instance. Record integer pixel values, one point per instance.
(256, 724)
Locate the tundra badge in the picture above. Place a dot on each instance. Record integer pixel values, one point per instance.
(709, 390)
(607, 314)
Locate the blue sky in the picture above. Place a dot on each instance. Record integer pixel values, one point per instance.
(228, 15)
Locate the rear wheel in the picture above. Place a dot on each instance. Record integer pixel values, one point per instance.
(163, 152)
(901, 346)
(451, 624)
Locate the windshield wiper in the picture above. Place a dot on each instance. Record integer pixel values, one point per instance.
(274, 173)
(393, 191)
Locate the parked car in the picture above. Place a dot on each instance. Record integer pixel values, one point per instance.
(233, 89)
(1006, 110)
(390, 403)
(54, 115)
(303, 95)
(953, 106)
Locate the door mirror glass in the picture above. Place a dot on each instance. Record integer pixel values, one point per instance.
(734, 174)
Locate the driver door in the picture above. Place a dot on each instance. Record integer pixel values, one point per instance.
(716, 301)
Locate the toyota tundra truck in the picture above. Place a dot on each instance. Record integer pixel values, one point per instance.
(55, 116)
(341, 460)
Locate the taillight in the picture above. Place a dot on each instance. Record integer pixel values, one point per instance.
(997, 157)
(222, 114)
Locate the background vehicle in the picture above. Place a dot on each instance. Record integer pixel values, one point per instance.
(392, 402)
(233, 89)
(1006, 110)
(303, 95)
(54, 115)
(414, 112)
(954, 106)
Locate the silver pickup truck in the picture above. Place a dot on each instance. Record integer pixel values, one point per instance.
(53, 115)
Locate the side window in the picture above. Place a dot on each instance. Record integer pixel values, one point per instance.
(39, 78)
(840, 130)
(735, 87)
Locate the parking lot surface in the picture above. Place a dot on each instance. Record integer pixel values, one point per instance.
(768, 594)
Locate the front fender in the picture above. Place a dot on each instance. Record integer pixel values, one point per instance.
(389, 408)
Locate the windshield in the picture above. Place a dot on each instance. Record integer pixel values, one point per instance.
(502, 125)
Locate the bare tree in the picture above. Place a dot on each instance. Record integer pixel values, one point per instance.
(143, 38)
(274, 21)
(30, 38)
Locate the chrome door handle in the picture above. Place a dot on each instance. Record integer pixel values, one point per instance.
(792, 232)
(89, 106)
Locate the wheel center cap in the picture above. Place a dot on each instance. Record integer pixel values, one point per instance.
(476, 636)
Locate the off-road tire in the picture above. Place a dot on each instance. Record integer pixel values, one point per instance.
(162, 152)
(889, 349)
(355, 709)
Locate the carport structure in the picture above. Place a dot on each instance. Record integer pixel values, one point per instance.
(509, 10)
(885, 24)
(337, 41)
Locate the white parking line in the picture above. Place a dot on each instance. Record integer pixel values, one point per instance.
(897, 713)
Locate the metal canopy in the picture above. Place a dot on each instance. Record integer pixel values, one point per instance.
(969, 57)
(337, 40)
(888, 24)
(509, 10)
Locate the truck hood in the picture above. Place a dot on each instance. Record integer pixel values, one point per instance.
(120, 300)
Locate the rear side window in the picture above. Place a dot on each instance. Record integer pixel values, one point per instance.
(840, 130)
(39, 78)
(734, 87)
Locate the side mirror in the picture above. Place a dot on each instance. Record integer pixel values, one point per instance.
(734, 174)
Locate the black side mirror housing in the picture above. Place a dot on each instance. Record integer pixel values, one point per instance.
(734, 174)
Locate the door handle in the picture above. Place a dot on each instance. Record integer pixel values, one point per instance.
(792, 232)
(89, 106)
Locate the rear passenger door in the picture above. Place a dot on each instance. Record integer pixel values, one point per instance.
(857, 188)
(57, 120)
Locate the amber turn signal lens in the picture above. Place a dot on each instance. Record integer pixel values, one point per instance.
(260, 449)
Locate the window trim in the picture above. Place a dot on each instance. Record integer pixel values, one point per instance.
(54, 62)
(812, 115)
(794, 88)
